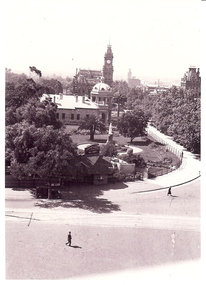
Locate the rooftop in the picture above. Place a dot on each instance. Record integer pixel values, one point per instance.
(71, 101)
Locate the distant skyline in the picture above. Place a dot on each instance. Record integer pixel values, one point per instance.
(155, 39)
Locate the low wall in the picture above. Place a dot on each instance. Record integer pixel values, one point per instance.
(126, 168)
(11, 182)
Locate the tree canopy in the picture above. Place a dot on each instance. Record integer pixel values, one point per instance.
(132, 124)
(177, 113)
(93, 124)
(121, 90)
(39, 152)
(34, 69)
(36, 144)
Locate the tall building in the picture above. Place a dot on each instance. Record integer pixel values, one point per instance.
(132, 80)
(192, 80)
(108, 66)
(85, 79)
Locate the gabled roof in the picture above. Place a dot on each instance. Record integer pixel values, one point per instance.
(95, 164)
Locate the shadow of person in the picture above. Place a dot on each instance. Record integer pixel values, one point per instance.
(74, 246)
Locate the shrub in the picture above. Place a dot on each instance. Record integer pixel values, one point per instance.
(120, 176)
(109, 149)
(153, 145)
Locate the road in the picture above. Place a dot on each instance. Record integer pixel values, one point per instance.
(146, 230)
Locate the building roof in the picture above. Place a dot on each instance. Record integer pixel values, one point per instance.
(89, 73)
(101, 88)
(96, 164)
(71, 102)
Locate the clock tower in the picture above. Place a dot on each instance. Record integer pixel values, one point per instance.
(108, 66)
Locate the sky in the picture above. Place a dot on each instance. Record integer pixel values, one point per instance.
(156, 39)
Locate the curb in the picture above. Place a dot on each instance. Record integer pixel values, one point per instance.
(175, 185)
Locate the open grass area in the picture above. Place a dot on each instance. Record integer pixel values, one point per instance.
(98, 138)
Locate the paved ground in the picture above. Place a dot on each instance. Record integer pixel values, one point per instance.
(122, 231)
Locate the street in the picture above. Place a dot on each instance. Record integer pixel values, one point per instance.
(144, 230)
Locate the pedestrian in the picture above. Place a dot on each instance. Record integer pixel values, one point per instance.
(169, 192)
(69, 239)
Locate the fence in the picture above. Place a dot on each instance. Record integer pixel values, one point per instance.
(166, 140)
(171, 146)
(159, 171)
(11, 182)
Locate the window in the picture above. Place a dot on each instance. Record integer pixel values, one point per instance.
(78, 116)
(87, 116)
(100, 177)
(57, 115)
(72, 116)
(93, 99)
(63, 116)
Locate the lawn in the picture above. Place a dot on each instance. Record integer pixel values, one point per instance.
(98, 138)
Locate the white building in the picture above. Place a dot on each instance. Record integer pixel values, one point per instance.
(72, 108)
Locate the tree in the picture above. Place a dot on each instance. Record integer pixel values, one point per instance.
(34, 69)
(137, 159)
(92, 123)
(40, 152)
(132, 124)
(109, 149)
(121, 90)
(18, 94)
(51, 86)
(136, 98)
(176, 113)
(34, 112)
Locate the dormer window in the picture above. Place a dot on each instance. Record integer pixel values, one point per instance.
(102, 89)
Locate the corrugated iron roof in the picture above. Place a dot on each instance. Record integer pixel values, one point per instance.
(71, 101)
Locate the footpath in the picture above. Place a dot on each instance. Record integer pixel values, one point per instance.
(189, 170)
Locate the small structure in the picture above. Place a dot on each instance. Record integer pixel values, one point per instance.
(93, 168)
(123, 166)
(110, 134)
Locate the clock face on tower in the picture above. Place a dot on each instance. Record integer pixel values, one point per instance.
(108, 61)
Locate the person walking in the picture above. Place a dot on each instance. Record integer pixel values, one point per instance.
(169, 192)
(69, 239)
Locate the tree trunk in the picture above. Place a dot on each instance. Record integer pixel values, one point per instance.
(92, 131)
(91, 136)
(49, 190)
(118, 109)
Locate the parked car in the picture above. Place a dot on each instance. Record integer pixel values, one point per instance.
(42, 192)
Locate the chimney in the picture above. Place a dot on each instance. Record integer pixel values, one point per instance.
(76, 98)
(83, 99)
(54, 99)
